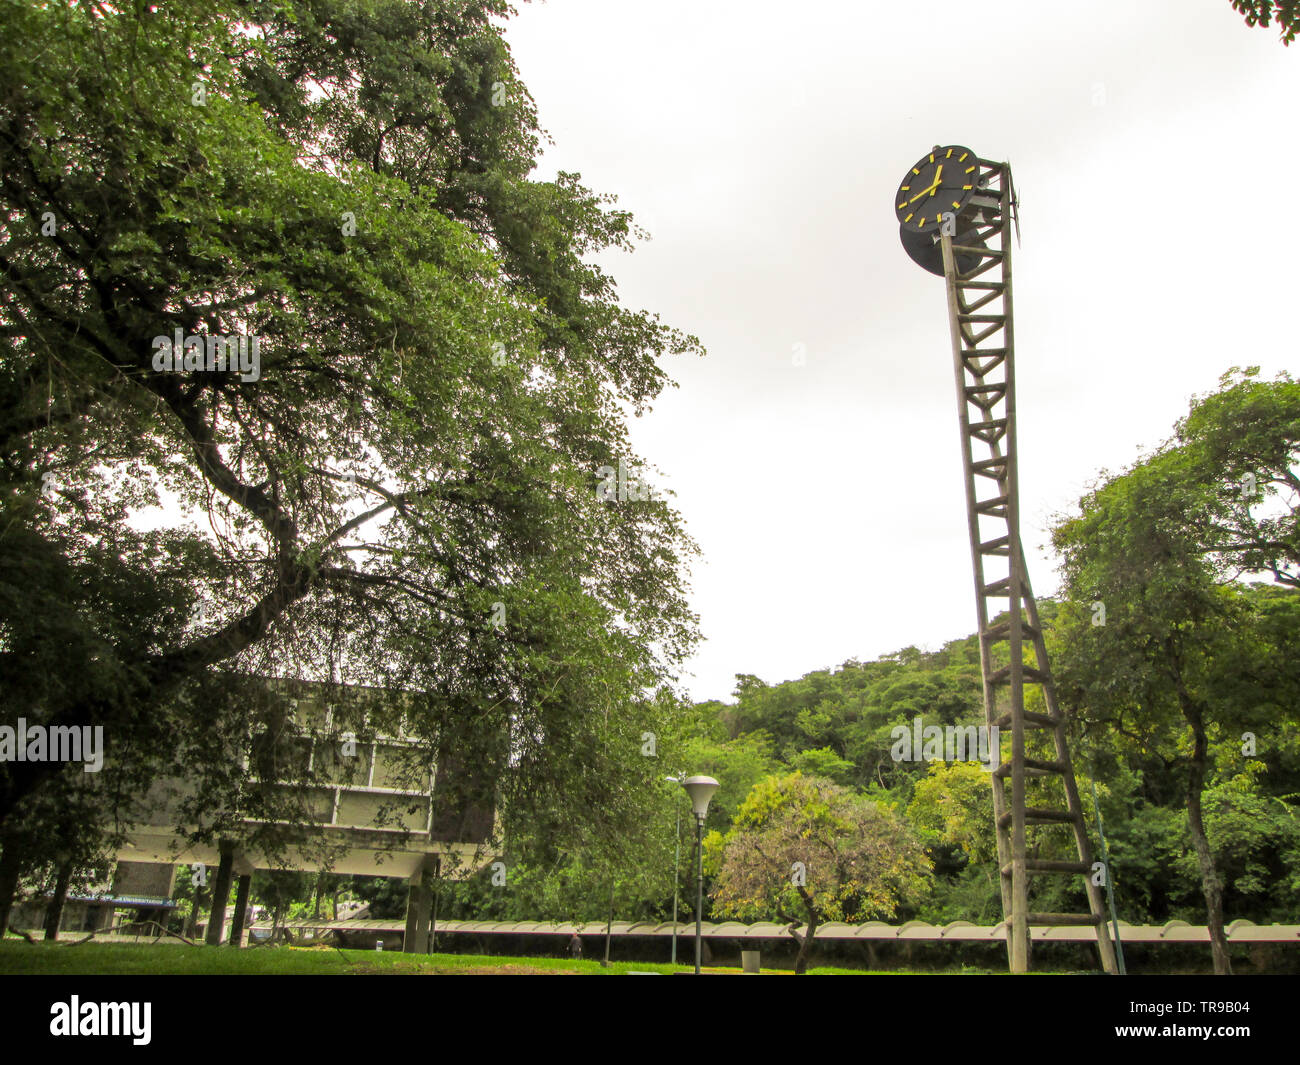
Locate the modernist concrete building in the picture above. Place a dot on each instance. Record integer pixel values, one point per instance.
(378, 815)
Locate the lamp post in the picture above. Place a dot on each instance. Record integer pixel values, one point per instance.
(677, 861)
(701, 790)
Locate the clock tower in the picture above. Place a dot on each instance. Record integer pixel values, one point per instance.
(955, 213)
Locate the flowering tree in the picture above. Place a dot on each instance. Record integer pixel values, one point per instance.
(805, 843)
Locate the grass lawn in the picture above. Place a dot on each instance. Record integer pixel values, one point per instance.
(91, 959)
(99, 959)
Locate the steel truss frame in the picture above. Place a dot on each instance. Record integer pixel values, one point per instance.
(982, 329)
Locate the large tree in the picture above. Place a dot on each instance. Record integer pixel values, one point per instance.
(404, 490)
(1157, 641)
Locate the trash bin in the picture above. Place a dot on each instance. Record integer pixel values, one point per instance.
(749, 961)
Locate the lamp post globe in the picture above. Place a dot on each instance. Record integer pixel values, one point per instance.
(701, 790)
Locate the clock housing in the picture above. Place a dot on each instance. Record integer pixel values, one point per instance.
(941, 181)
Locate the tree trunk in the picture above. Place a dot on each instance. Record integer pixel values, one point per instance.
(10, 868)
(1210, 882)
(54, 912)
(793, 934)
(805, 946)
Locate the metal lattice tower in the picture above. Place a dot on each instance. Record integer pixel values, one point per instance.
(977, 268)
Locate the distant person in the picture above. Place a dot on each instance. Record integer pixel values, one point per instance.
(575, 947)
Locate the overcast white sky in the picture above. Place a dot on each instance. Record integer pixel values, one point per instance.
(1154, 146)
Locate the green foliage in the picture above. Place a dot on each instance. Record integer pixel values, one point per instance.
(1239, 447)
(1260, 12)
(1256, 839)
(385, 895)
(951, 807)
(857, 859)
(823, 762)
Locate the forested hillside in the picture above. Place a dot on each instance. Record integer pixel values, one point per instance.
(836, 723)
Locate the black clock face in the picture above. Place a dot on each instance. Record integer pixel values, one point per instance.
(941, 181)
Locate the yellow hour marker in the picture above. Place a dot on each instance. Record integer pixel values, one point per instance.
(915, 171)
(962, 157)
(964, 188)
(922, 222)
(932, 157)
(955, 203)
(949, 155)
(902, 205)
(969, 169)
(909, 216)
(905, 188)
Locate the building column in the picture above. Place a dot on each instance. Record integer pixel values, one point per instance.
(419, 902)
(220, 892)
(242, 885)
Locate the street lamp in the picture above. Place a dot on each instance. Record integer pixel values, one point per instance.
(677, 861)
(701, 790)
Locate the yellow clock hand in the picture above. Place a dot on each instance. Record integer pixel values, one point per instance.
(938, 180)
(924, 192)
